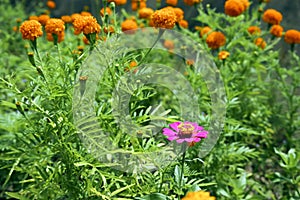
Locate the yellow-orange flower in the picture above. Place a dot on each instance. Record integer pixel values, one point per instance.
(205, 30)
(183, 23)
(108, 11)
(260, 42)
(66, 18)
(15, 29)
(145, 13)
(138, 4)
(31, 29)
(169, 44)
(179, 13)
(60, 37)
(292, 36)
(164, 18)
(272, 16)
(172, 2)
(245, 3)
(43, 19)
(234, 8)
(200, 195)
(33, 17)
(85, 13)
(129, 26)
(276, 30)
(118, 2)
(109, 29)
(223, 55)
(191, 2)
(74, 16)
(254, 30)
(215, 40)
(51, 4)
(86, 24)
(55, 26)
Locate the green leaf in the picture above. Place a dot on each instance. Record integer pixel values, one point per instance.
(156, 196)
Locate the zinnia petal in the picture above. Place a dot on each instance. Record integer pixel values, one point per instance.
(169, 132)
(171, 138)
(175, 126)
(202, 134)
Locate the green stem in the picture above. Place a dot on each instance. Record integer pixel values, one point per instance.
(182, 171)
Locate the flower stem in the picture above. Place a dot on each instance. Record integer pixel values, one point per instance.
(182, 171)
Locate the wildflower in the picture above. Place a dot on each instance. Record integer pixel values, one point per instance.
(223, 55)
(108, 11)
(191, 2)
(132, 65)
(129, 26)
(145, 13)
(31, 29)
(234, 8)
(169, 44)
(74, 16)
(51, 4)
(33, 17)
(85, 13)
(55, 27)
(260, 42)
(118, 2)
(138, 4)
(276, 30)
(179, 13)
(205, 30)
(172, 2)
(86, 24)
(199, 195)
(292, 37)
(183, 23)
(66, 18)
(15, 29)
(272, 16)
(215, 40)
(185, 132)
(254, 30)
(43, 19)
(164, 18)
(109, 29)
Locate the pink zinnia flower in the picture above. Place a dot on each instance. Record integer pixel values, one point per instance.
(189, 132)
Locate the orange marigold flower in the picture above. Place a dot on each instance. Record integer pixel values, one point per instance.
(183, 23)
(118, 2)
(223, 55)
(33, 17)
(31, 29)
(110, 29)
(138, 4)
(107, 11)
(234, 8)
(129, 26)
(292, 36)
(254, 30)
(60, 37)
(55, 26)
(179, 13)
(191, 2)
(272, 16)
(74, 16)
(190, 62)
(276, 30)
(199, 195)
(66, 18)
(43, 19)
(86, 24)
(15, 29)
(164, 18)
(215, 40)
(205, 30)
(172, 2)
(145, 13)
(51, 4)
(85, 13)
(260, 42)
(169, 44)
(246, 4)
